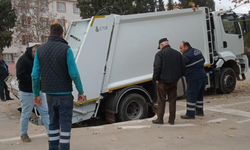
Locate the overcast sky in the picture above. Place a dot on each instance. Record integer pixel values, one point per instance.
(225, 4)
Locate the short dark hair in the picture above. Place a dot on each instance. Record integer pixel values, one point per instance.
(186, 44)
(56, 30)
(36, 46)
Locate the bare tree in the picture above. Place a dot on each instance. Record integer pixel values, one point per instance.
(238, 3)
(65, 24)
(34, 20)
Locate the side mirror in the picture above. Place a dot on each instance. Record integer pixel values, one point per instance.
(244, 24)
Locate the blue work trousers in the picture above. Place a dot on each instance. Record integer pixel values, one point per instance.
(60, 114)
(194, 95)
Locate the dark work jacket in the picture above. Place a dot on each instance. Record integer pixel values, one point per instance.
(168, 65)
(52, 58)
(194, 62)
(23, 71)
(3, 72)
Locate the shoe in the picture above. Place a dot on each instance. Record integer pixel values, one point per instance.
(157, 121)
(3, 100)
(34, 121)
(171, 122)
(25, 138)
(9, 98)
(19, 109)
(199, 114)
(187, 117)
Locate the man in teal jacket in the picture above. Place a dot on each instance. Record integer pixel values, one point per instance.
(55, 66)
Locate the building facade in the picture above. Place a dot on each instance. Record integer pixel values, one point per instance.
(33, 24)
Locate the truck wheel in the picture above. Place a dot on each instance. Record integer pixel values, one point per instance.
(227, 81)
(132, 107)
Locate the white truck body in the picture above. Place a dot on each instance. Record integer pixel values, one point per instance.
(114, 55)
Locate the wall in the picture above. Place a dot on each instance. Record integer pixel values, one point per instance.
(16, 54)
(12, 67)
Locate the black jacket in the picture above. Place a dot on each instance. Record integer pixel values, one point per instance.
(168, 65)
(23, 71)
(3, 72)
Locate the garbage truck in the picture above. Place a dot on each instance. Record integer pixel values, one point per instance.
(115, 54)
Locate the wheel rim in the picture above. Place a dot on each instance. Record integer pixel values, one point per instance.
(228, 81)
(134, 110)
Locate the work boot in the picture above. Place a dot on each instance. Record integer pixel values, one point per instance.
(171, 122)
(25, 138)
(187, 117)
(157, 121)
(9, 98)
(199, 114)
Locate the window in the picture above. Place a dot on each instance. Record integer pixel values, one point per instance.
(44, 22)
(230, 24)
(26, 21)
(44, 38)
(61, 7)
(62, 22)
(44, 6)
(8, 58)
(26, 39)
(75, 9)
(25, 4)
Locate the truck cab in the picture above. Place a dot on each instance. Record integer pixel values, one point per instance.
(229, 61)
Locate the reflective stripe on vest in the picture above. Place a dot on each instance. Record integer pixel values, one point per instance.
(194, 63)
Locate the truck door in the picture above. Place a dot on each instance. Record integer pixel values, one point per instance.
(89, 40)
(231, 34)
(76, 34)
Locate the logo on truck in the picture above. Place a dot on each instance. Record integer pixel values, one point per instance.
(102, 28)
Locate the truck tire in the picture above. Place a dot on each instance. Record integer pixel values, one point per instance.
(132, 106)
(227, 81)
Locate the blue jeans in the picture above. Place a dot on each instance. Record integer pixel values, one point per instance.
(60, 114)
(27, 106)
(195, 90)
